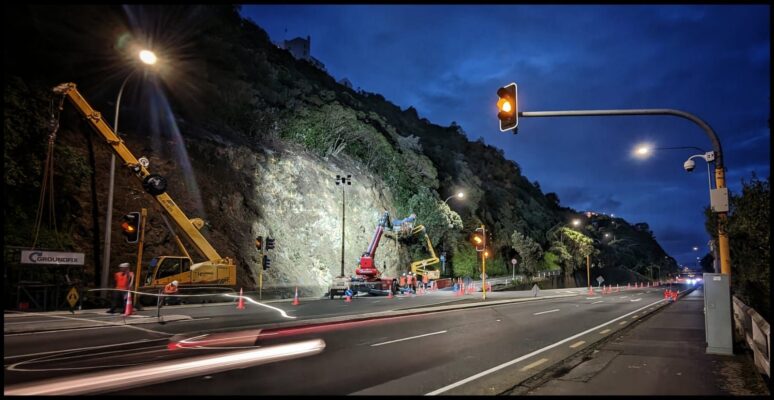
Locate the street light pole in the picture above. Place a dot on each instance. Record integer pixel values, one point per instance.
(341, 180)
(111, 183)
(148, 58)
(720, 178)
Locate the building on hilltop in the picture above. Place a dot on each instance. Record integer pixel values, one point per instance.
(300, 48)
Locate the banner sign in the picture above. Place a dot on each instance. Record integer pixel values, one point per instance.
(51, 257)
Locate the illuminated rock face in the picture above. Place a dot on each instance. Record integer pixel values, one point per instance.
(292, 197)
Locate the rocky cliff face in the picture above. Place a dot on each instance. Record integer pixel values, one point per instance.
(291, 196)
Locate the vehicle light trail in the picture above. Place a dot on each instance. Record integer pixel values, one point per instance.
(142, 375)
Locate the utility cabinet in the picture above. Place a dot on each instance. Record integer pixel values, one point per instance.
(717, 314)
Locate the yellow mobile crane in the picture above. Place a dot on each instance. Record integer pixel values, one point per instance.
(407, 230)
(215, 271)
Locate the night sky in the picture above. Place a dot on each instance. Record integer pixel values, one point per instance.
(448, 61)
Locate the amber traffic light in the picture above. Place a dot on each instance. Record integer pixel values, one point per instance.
(130, 226)
(507, 107)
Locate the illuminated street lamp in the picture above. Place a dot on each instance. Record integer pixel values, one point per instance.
(645, 150)
(148, 58)
(576, 222)
(458, 195)
(695, 248)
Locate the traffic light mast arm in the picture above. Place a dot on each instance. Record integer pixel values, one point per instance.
(647, 111)
(117, 145)
(720, 180)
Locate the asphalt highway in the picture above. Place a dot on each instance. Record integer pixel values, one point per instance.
(480, 350)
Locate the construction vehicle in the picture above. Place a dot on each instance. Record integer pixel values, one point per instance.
(368, 279)
(215, 271)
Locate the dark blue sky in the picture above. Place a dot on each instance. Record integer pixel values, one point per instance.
(448, 61)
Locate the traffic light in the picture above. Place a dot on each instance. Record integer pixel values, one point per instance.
(269, 243)
(478, 239)
(130, 225)
(259, 243)
(507, 107)
(266, 262)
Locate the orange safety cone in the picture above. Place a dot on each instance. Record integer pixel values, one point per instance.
(241, 304)
(617, 289)
(128, 310)
(347, 299)
(295, 298)
(389, 294)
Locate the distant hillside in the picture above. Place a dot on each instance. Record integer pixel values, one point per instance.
(249, 114)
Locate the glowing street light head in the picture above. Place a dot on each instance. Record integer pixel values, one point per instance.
(695, 248)
(576, 222)
(643, 151)
(460, 194)
(607, 235)
(148, 57)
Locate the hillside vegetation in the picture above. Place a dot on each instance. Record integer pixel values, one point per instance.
(232, 85)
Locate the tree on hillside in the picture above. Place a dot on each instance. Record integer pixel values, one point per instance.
(749, 227)
(530, 251)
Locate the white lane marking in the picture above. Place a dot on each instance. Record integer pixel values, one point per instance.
(578, 343)
(604, 332)
(408, 338)
(82, 348)
(592, 298)
(526, 356)
(633, 300)
(622, 322)
(634, 316)
(105, 325)
(598, 301)
(623, 297)
(18, 365)
(546, 312)
(534, 364)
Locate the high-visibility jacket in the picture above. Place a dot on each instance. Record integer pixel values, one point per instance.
(170, 288)
(425, 279)
(124, 280)
(403, 281)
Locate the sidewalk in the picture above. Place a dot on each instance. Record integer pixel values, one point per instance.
(662, 355)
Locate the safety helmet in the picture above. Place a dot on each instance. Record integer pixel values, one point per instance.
(123, 265)
(174, 283)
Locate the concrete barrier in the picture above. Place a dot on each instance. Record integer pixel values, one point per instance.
(748, 324)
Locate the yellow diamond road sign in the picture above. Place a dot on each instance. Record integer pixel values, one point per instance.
(72, 297)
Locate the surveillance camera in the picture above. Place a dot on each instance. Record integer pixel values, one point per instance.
(689, 166)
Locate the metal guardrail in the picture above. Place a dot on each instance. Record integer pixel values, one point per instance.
(749, 325)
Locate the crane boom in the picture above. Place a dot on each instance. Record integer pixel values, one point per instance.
(96, 121)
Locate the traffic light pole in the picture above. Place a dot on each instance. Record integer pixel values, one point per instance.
(260, 277)
(343, 201)
(720, 181)
(137, 276)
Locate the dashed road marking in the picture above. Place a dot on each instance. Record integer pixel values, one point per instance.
(408, 338)
(598, 301)
(534, 364)
(546, 312)
(576, 344)
(604, 332)
(622, 322)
